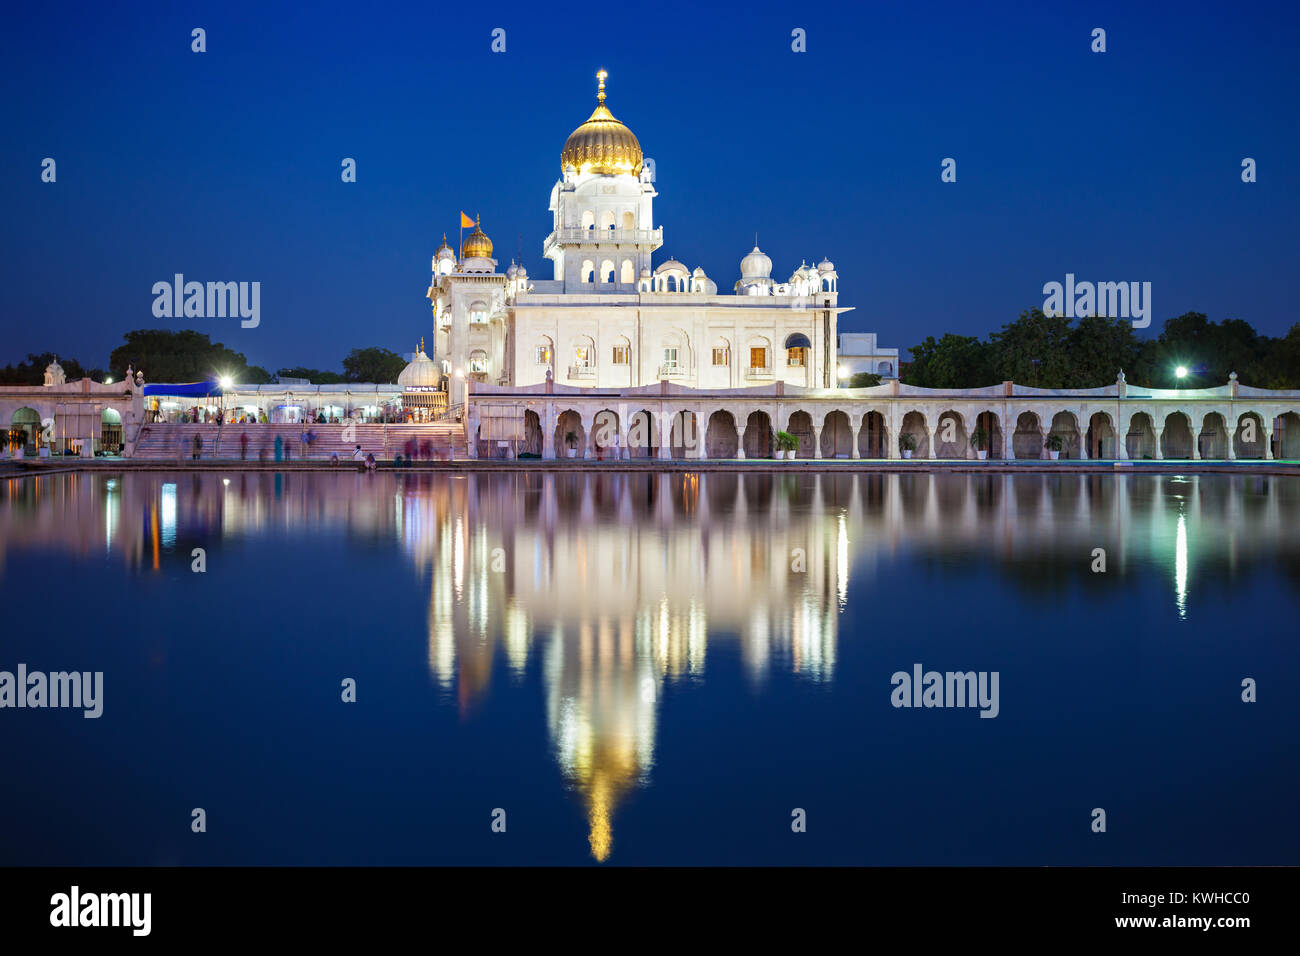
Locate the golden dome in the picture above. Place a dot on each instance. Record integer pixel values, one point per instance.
(602, 144)
(477, 246)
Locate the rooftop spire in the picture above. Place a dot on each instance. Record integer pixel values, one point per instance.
(600, 91)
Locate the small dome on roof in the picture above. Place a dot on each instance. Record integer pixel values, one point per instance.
(421, 372)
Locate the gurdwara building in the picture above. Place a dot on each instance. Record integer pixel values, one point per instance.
(608, 318)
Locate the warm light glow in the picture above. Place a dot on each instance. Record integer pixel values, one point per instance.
(844, 372)
(109, 380)
(1181, 371)
(226, 381)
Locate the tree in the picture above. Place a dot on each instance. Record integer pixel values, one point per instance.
(1209, 351)
(1098, 348)
(863, 380)
(954, 361)
(182, 356)
(32, 371)
(1033, 350)
(314, 375)
(377, 365)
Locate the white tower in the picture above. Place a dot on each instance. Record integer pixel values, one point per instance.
(604, 230)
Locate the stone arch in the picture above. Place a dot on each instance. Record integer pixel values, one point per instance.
(604, 434)
(914, 424)
(1176, 440)
(992, 425)
(570, 423)
(607, 219)
(1141, 437)
(873, 438)
(1100, 438)
(25, 430)
(1027, 439)
(629, 219)
(1286, 433)
(801, 427)
(1213, 441)
(607, 271)
(1249, 438)
(642, 435)
(1066, 424)
(885, 369)
(684, 437)
(532, 444)
(837, 435)
(720, 438)
(628, 274)
(588, 271)
(588, 219)
(950, 437)
(758, 435)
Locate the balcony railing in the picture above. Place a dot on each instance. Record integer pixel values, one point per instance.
(753, 372)
(672, 370)
(582, 371)
(606, 235)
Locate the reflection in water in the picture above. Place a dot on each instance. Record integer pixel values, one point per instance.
(613, 585)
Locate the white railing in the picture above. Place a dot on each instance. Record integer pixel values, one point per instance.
(752, 372)
(672, 370)
(582, 371)
(606, 235)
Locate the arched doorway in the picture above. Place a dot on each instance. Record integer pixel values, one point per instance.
(1027, 439)
(25, 431)
(992, 427)
(801, 428)
(642, 440)
(1286, 432)
(110, 431)
(914, 425)
(1248, 441)
(532, 435)
(1176, 442)
(872, 440)
(685, 435)
(570, 436)
(1212, 443)
(758, 435)
(1101, 437)
(604, 434)
(837, 436)
(720, 440)
(950, 438)
(1141, 437)
(1066, 426)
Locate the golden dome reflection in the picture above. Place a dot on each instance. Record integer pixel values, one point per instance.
(602, 144)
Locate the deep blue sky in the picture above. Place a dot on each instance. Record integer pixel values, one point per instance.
(225, 165)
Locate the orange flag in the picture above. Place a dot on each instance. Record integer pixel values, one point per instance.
(466, 222)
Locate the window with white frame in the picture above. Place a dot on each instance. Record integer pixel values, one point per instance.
(720, 356)
(621, 355)
(542, 354)
(670, 357)
(582, 356)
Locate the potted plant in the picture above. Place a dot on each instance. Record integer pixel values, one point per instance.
(979, 440)
(786, 445)
(571, 439)
(1053, 444)
(907, 444)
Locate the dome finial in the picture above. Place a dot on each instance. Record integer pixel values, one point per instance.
(600, 91)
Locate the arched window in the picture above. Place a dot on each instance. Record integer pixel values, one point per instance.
(588, 273)
(797, 347)
(629, 219)
(672, 282)
(607, 219)
(542, 352)
(885, 368)
(478, 314)
(628, 276)
(478, 361)
(588, 219)
(607, 271)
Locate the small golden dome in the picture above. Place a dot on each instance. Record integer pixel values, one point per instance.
(477, 246)
(602, 144)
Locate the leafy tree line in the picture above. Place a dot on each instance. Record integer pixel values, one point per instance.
(189, 356)
(1054, 352)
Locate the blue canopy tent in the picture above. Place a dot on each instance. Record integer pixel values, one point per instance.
(185, 390)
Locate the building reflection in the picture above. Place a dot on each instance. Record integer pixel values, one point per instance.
(613, 585)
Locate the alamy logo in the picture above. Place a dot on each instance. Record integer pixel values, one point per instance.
(1115, 300)
(102, 909)
(949, 689)
(211, 300)
(57, 689)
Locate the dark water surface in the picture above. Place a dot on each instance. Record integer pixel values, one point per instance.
(652, 669)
